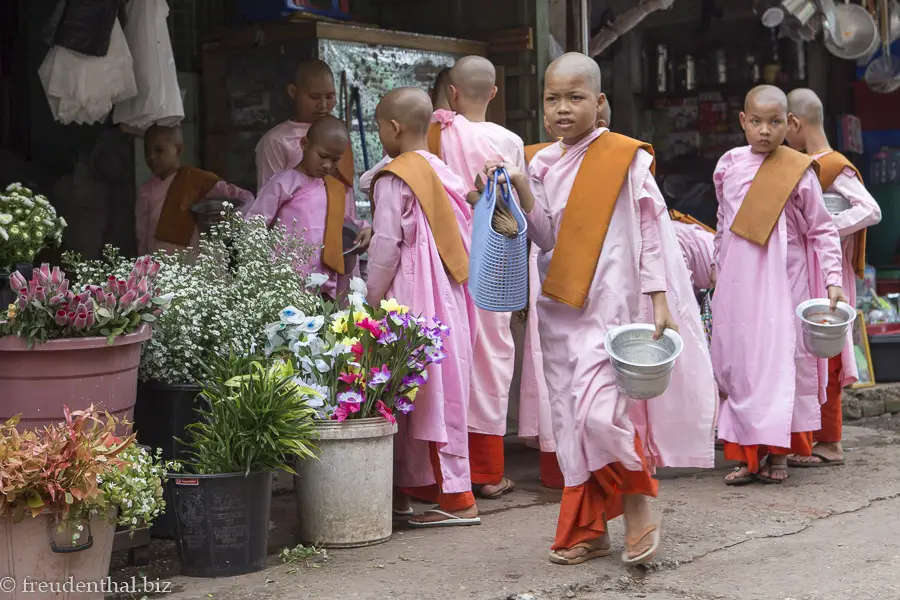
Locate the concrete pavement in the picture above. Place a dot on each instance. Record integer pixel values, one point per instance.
(826, 534)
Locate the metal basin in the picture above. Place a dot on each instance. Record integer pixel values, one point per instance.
(857, 33)
(835, 203)
(825, 331)
(643, 366)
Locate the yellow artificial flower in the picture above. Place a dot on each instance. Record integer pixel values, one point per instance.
(340, 324)
(11, 311)
(393, 306)
(411, 394)
(359, 315)
(349, 341)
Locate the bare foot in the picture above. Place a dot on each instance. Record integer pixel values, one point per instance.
(638, 518)
(434, 517)
(493, 492)
(775, 468)
(595, 548)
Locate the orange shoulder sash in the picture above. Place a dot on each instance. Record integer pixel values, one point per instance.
(176, 221)
(770, 190)
(433, 139)
(415, 171)
(586, 217)
(333, 249)
(533, 149)
(688, 219)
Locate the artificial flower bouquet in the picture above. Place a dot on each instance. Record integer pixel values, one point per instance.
(365, 361)
(28, 224)
(79, 468)
(48, 309)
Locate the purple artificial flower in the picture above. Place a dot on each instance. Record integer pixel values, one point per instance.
(434, 335)
(350, 397)
(415, 379)
(388, 337)
(404, 405)
(379, 376)
(435, 355)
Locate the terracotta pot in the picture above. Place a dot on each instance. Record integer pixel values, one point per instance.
(26, 559)
(74, 372)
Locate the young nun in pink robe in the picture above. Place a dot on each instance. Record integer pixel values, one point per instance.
(607, 443)
(837, 175)
(299, 198)
(773, 384)
(419, 255)
(464, 140)
(697, 248)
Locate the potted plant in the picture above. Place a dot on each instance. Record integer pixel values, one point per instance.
(67, 486)
(256, 419)
(238, 280)
(28, 224)
(366, 363)
(61, 346)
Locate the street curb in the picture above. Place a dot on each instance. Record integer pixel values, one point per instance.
(871, 402)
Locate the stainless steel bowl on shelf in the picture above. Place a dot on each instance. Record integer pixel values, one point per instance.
(643, 366)
(835, 203)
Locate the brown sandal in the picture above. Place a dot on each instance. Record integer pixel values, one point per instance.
(650, 553)
(591, 554)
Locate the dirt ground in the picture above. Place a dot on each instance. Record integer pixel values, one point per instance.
(826, 534)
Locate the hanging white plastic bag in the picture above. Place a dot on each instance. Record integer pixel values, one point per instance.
(158, 100)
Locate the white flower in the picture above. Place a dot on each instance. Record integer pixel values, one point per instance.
(5, 219)
(322, 366)
(358, 286)
(292, 315)
(316, 280)
(358, 301)
(312, 324)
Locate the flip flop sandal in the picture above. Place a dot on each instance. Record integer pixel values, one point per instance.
(451, 520)
(508, 486)
(650, 553)
(746, 479)
(823, 462)
(773, 468)
(591, 554)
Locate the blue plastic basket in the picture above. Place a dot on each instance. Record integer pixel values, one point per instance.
(498, 265)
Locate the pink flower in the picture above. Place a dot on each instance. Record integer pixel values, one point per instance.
(23, 302)
(112, 284)
(127, 299)
(57, 300)
(132, 281)
(56, 276)
(61, 318)
(110, 301)
(373, 327)
(144, 300)
(153, 270)
(17, 282)
(81, 321)
(357, 349)
(349, 378)
(70, 317)
(43, 274)
(121, 288)
(385, 412)
(143, 286)
(40, 294)
(345, 409)
(90, 319)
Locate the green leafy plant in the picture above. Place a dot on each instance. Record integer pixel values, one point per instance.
(256, 418)
(311, 556)
(136, 486)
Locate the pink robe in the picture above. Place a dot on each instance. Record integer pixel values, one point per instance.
(279, 150)
(404, 264)
(150, 201)
(594, 425)
(774, 385)
(301, 203)
(864, 212)
(465, 147)
(535, 418)
(697, 247)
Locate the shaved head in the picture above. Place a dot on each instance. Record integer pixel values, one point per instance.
(311, 70)
(806, 106)
(577, 65)
(409, 106)
(475, 78)
(765, 95)
(328, 130)
(172, 135)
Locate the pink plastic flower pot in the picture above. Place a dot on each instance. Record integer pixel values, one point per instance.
(76, 372)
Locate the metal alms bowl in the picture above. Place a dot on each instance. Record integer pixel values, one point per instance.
(835, 203)
(643, 366)
(825, 331)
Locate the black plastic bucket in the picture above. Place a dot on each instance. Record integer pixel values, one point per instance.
(161, 414)
(221, 522)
